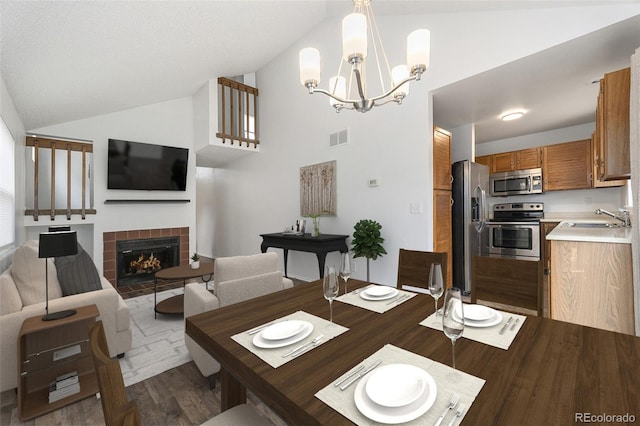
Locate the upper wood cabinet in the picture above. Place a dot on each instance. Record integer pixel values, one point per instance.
(530, 158)
(596, 164)
(567, 165)
(441, 159)
(612, 125)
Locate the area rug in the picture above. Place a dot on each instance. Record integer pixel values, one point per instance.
(158, 344)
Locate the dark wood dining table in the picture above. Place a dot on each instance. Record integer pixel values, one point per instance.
(553, 373)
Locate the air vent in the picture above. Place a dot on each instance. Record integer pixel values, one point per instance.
(339, 138)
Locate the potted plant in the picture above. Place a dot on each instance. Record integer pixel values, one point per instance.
(196, 261)
(367, 241)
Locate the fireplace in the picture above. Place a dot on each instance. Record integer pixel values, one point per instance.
(138, 260)
(132, 257)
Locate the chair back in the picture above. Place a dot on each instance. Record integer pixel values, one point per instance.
(235, 267)
(116, 407)
(414, 266)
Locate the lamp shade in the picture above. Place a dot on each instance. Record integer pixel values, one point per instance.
(418, 49)
(398, 74)
(309, 66)
(57, 244)
(354, 36)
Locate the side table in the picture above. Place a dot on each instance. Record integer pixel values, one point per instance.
(48, 350)
(175, 304)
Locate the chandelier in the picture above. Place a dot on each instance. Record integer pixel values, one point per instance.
(355, 27)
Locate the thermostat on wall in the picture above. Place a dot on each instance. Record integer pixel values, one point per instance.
(374, 182)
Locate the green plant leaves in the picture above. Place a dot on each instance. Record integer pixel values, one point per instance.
(367, 240)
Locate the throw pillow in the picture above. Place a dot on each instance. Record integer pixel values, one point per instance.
(77, 273)
(28, 271)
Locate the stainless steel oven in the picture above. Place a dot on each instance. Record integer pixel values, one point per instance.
(514, 231)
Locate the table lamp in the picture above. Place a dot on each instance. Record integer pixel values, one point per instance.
(56, 244)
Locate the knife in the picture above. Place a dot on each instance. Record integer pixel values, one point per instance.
(301, 347)
(341, 381)
(359, 376)
(515, 323)
(397, 299)
(504, 327)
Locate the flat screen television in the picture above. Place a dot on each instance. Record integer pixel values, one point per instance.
(143, 166)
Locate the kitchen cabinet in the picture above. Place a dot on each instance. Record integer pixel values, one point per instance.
(442, 228)
(591, 284)
(530, 158)
(612, 124)
(441, 159)
(442, 198)
(597, 166)
(507, 281)
(567, 165)
(545, 255)
(487, 160)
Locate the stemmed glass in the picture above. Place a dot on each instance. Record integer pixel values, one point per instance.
(453, 318)
(331, 287)
(436, 283)
(345, 269)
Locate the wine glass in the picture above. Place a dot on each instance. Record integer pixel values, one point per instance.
(330, 286)
(436, 283)
(345, 269)
(453, 318)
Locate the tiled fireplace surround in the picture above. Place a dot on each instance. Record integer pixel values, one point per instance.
(109, 246)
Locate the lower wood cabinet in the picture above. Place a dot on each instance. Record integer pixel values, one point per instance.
(591, 284)
(48, 350)
(507, 281)
(442, 229)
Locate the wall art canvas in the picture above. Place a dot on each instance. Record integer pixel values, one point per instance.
(318, 189)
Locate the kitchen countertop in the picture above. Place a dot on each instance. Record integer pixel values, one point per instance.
(565, 232)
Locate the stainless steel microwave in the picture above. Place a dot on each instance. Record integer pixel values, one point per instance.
(516, 182)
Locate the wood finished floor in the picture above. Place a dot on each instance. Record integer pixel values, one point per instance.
(180, 396)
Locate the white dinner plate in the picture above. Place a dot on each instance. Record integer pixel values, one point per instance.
(478, 312)
(395, 415)
(388, 295)
(395, 385)
(378, 290)
(283, 329)
(261, 342)
(496, 319)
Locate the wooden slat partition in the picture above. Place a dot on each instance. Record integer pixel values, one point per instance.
(47, 143)
(239, 113)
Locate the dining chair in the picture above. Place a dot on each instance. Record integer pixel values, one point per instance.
(119, 411)
(414, 266)
(237, 278)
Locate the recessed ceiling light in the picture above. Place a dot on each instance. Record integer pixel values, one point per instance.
(512, 116)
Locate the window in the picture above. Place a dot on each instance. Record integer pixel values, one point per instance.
(7, 187)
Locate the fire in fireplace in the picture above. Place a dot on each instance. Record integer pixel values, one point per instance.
(138, 260)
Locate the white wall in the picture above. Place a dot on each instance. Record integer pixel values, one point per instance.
(205, 218)
(167, 123)
(393, 143)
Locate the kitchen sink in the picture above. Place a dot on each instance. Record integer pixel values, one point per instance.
(590, 225)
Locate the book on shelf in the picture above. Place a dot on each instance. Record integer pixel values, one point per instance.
(64, 386)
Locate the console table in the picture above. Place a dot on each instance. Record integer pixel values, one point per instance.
(320, 245)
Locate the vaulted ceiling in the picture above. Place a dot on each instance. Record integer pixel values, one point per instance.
(64, 61)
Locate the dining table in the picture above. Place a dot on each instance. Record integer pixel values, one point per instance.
(553, 372)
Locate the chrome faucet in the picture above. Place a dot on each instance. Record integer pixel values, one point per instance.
(622, 217)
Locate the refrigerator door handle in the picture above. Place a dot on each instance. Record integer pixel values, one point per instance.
(481, 197)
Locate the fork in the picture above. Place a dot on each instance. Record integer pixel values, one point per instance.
(452, 405)
(459, 412)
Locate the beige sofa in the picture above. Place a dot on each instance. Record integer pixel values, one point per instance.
(22, 295)
(236, 279)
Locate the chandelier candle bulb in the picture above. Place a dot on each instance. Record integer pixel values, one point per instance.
(309, 66)
(418, 43)
(400, 73)
(354, 37)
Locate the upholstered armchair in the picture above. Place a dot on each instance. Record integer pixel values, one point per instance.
(236, 279)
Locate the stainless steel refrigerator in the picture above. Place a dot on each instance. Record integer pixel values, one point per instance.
(469, 215)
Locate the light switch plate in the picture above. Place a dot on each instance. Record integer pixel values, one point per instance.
(415, 208)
